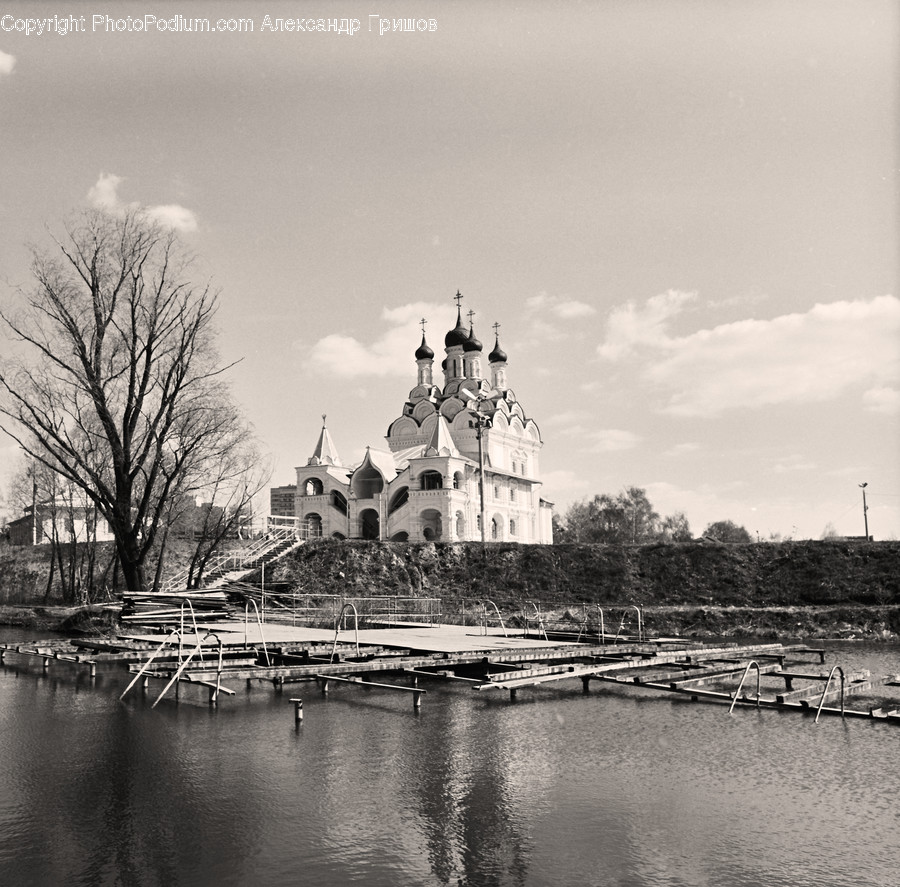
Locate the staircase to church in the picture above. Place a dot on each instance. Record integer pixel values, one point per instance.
(235, 566)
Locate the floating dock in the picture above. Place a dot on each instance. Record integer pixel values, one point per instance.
(223, 652)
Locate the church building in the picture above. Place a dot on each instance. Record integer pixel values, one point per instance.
(461, 464)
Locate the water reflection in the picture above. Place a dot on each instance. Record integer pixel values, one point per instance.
(617, 788)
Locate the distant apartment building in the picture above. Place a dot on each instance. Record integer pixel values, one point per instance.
(281, 500)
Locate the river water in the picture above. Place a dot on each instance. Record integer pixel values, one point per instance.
(620, 787)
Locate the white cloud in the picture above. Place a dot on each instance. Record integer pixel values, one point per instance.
(682, 449)
(794, 462)
(807, 357)
(882, 400)
(629, 327)
(573, 309)
(390, 355)
(566, 419)
(7, 62)
(564, 309)
(612, 440)
(104, 195)
(173, 215)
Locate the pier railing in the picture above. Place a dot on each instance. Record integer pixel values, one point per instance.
(311, 609)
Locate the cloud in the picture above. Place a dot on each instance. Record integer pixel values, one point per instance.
(390, 355)
(882, 400)
(173, 216)
(564, 309)
(612, 440)
(7, 63)
(682, 449)
(104, 195)
(630, 327)
(809, 357)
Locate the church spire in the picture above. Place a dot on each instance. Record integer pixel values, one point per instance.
(325, 453)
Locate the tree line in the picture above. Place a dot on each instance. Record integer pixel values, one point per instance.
(629, 518)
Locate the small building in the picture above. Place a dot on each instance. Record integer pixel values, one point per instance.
(462, 461)
(73, 521)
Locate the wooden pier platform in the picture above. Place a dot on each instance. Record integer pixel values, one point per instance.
(224, 651)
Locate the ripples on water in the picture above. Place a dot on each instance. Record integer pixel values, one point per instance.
(621, 787)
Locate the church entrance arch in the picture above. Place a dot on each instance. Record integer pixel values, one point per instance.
(432, 528)
(369, 524)
(313, 525)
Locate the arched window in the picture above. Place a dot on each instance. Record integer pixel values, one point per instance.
(313, 487)
(401, 497)
(313, 525)
(512, 528)
(338, 501)
(459, 480)
(495, 529)
(431, 480)
(460, 525)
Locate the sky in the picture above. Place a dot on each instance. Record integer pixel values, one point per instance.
(682, 213)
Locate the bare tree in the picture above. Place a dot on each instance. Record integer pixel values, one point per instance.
(120, 387)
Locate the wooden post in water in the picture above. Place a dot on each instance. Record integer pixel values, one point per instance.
(298, 710)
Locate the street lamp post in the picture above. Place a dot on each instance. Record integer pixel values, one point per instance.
(481, 422)
(865, 510)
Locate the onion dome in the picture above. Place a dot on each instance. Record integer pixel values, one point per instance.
(444, 364)
(423, 352)
(498, 355)
(458, 335)
(472, 343)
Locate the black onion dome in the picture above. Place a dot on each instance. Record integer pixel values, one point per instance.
(458, 335)
(444, 364)
(498, 355)
(423, 352)
(472, 343)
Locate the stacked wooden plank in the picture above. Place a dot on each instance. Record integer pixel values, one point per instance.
(168, 608)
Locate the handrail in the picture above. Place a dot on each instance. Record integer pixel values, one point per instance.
(537, 613)
(825, 691)
(262, 636)
(184, 665)
(751, 664)
(156, 653)
(188, 604)
(337, 628)
(484, 611)
(640, 620)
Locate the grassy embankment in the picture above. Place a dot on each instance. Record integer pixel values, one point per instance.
(807, 589)
(790, 589)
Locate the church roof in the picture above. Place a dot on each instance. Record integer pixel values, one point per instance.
(423, 352)
(325, 453)
(498, 355)
(459, 335)
(441, 443)
(472, 343)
